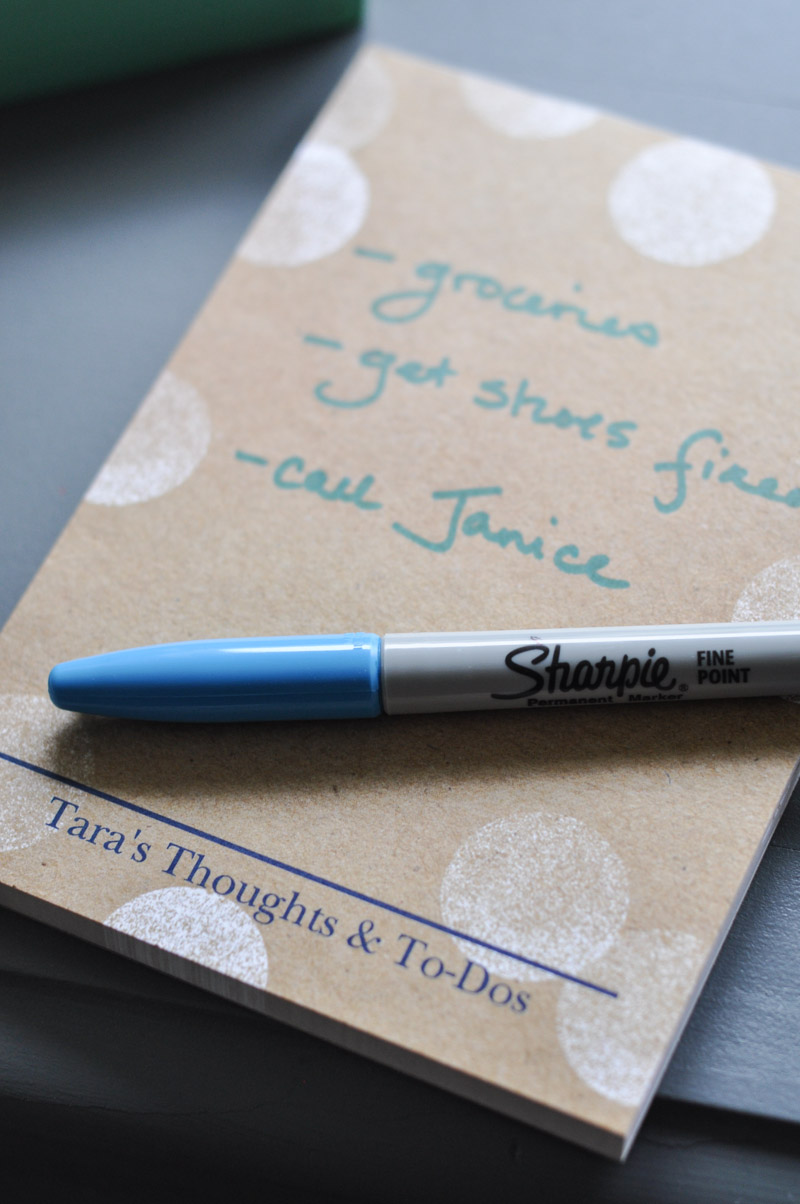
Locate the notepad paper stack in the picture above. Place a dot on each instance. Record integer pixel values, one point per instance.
(484, 359)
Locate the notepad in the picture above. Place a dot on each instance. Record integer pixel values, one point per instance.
(484, 358)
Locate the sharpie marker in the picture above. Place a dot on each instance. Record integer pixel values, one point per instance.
(360, 676)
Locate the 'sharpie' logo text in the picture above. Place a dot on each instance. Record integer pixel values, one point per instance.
(560, 676)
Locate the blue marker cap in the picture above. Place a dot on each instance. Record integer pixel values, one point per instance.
(287, 677)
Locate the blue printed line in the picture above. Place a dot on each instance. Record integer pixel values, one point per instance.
(368, 253)
(305, 874)
(248, 458)
(319, 341)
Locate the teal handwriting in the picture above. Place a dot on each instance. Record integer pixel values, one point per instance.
(292, 473)
(371, 253)
(495, 395)
(566, 558)
(317, 340)
(434, 277)
(380, 364)
(703, 443)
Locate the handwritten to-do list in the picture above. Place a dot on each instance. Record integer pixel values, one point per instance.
(485, 358)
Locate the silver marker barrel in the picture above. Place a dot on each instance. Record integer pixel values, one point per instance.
(534, 667)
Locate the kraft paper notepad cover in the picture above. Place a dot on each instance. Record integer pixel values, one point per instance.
(483, 359)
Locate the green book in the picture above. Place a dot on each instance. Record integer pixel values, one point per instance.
(50, 45)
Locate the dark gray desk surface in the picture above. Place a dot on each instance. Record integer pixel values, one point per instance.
(118, 208)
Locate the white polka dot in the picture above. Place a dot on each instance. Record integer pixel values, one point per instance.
(773, 595)
(160, 449)
(360, 108)
(545, 886)
(32, 729)
(202, 927)
(318, 205)
(518, 113)
(616, 1045)
(687, 203)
